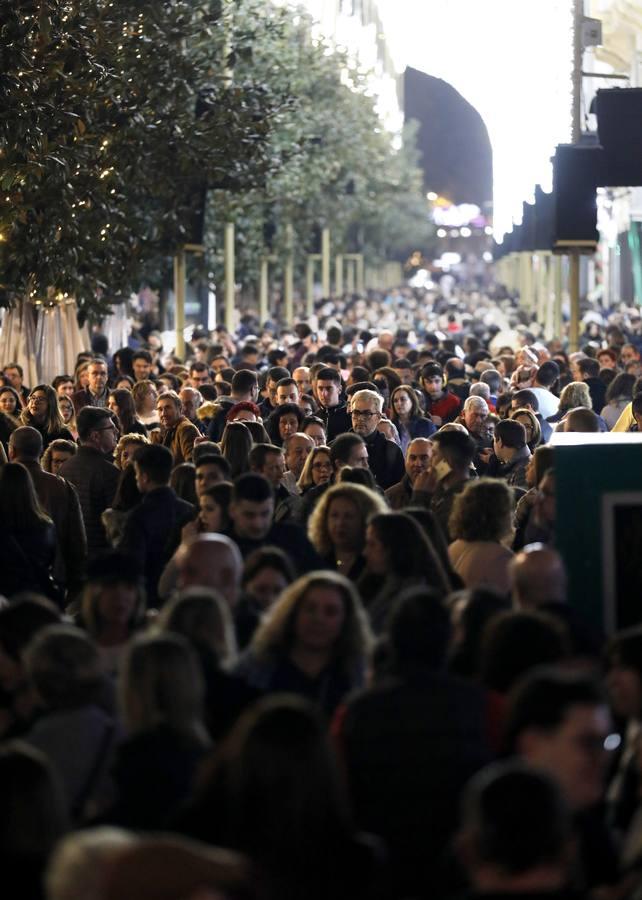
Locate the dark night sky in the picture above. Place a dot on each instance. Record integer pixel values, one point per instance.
(457, 156)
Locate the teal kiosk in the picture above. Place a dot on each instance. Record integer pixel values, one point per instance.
(599, 525)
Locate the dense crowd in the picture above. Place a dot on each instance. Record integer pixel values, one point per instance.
(285, 618)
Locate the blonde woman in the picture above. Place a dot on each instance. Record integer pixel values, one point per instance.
(337, 527)
(316, 470)
(126, 447)
(314, 642)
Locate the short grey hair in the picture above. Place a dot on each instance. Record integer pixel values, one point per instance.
(477, 402)
(370, 396)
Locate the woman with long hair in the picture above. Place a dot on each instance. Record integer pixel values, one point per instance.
(540, 462)
(43, 413)
(68, 413)
(274, 793)
(317, 469)
(127, 498)
(406, 415)
(337, 526)
(314, 642)
(481, 524)
(236, 444)
(121, 404)
(161, 699)
(267, 572)
(533, 429)
(398, 556)
(10, 403)
(28, 545)
(145, 395)
(618, 395)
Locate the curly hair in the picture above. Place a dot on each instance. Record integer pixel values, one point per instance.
(483, 511)
(127, 439)
(536, 433)
(575, 394)
(275, 636)
(366, 501)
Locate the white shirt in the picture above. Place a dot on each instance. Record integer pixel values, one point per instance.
(548, 403)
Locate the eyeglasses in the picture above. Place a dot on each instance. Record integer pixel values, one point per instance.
(363, 414)
(33, 399)
(322, 465)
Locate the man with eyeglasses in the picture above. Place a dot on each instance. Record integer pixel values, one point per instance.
(558, 721)
(92, 473)
(385, 457)
(96, 393)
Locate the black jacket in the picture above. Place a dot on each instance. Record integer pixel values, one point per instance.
(385, 459)
(95, 480)
(152, 533)
(336, 419)
(289, 538)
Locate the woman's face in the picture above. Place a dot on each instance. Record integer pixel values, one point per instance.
(149, 400)
(37, 405)
(266, 586)
(344, 524)
(321, 468)
(66, 409)
(124, 384)
(375, 553)
(116, 603)
(58, 457)
(127, 453)
(210, 514)
(319, 619)
(113, 406)
(625, 691)
(8, 403)
(402, 404)
(528, 425)
(83, 377)
(288, 424)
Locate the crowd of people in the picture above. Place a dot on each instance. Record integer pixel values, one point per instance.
(285, 619)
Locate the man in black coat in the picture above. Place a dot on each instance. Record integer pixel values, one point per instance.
(384, 457)
(411, 742)
(332, 411)
(152, 532)
(252, 511)
(94, 477)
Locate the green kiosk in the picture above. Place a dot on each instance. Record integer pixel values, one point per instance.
(599, 525)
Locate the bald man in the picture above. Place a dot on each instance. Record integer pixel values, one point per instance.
(538, 577)
(417, 461)
(211, 561)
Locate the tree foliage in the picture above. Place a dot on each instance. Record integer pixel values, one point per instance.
(113, 117)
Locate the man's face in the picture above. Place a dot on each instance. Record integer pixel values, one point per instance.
(218, 364)
(142, 369)
(207, 475)
(573, 753)
(358, 458)
(364, 416)
(273, 468)
(198, 378)
(418, 458)
(189, 399)
(107, 437)
(168, 413)
(302, 378)
(288, 393)
(328, 393)
(629, 354)
(97, 375)
(433, 385)
(252, 519)
(515, 404)
(474, 418)
(297, 453)
(65, 389)
(14, 377)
